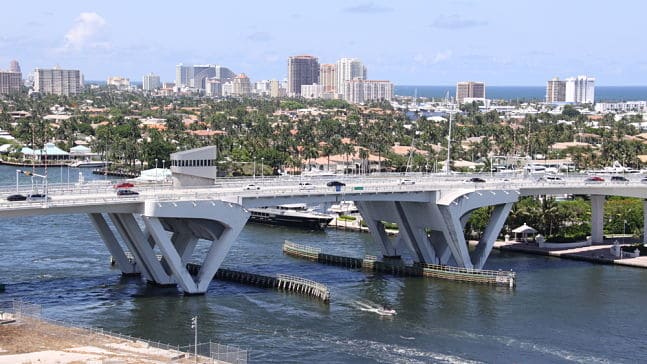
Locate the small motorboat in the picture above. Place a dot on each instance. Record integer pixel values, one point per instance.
(383, 311)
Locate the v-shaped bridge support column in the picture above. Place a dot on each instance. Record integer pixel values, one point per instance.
(484, 247)
(455, 207)
(453, 233)
(125, 265)
(369, 210)
(215, 221)
(141, 249)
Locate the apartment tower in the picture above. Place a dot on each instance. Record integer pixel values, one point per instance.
(469, 89)
(302, 70)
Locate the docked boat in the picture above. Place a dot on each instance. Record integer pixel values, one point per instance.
(297, 215)
(90, 164)
(344, 208)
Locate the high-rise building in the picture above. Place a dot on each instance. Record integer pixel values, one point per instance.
(359, 91)
(119, 82)
(183, 75)
(580, 89)
(328, 77)
(302, 70)
(275, 88)
(313, 91)
(241, 86)
(14, 67)
(214, 87)
(469, 89)
(555, 90)
(349, 69)
(57, 81)
(11, 81)
(151, 82)
(196, 76)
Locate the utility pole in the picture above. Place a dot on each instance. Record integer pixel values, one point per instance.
(194, 325)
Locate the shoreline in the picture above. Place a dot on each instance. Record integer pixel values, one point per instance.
(597, 254)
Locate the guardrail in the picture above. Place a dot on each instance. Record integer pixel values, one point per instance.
(302, 285)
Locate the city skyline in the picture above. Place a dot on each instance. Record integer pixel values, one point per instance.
(413, 43)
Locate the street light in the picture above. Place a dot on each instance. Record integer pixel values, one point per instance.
(262, 165)
(155, 168)
(18, 171)
(254, 167)
(194, 325)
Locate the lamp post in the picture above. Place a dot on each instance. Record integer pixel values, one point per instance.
(18, 171)
(624, 228)
(262, 165)
(254, 167)
(155, 168)
(194, 325)
(163, 164)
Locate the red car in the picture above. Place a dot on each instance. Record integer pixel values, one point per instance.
(594, 179)
(123, 185)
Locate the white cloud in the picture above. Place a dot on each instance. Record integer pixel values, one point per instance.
(86, 32)
(436, 58)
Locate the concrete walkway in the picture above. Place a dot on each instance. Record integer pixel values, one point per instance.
(598, 253)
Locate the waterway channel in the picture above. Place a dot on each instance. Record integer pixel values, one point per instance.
(560, 310)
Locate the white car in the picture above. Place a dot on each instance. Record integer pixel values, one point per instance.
(406, 181)
(306, 186)
(251, 186)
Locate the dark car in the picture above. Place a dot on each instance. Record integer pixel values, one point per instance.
(17, 197)
(335, 184)
(127, 193)
(475, 180)
(619, 179)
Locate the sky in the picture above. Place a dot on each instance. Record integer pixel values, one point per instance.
(499, 42)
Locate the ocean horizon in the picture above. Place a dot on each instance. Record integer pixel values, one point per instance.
(526, 93)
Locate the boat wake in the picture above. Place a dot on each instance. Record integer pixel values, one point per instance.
(375, 308)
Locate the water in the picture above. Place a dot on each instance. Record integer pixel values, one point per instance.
(602, 93)
(560, 311)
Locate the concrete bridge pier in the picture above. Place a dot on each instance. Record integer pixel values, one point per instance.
(174, 229)
(455, 209)
(597, 219)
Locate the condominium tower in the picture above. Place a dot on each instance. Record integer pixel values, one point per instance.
(196, 76)
(302, 70)
(469, 89)
(57, 81)
(359, 91)
(580, 89)
(151, 82)
(328, 77)
(555, 90)
(11, 80)
(349, 69)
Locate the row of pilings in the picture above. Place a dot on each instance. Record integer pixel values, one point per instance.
(398, 268)
(282, 282)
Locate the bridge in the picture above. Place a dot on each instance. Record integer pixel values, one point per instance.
(430, 210)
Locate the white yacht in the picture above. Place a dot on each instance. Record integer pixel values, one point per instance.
(89, 164)
(344, 208)
(297, 215)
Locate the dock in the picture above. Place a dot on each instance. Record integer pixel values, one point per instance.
(397, 267)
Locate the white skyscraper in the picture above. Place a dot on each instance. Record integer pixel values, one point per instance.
(151, 82)
(347, 70)
(580, 89)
